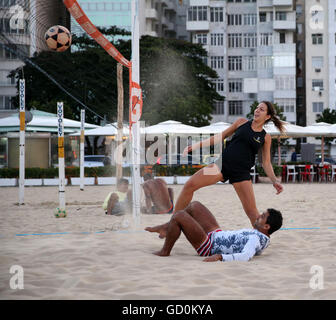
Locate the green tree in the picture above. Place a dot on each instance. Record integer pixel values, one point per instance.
(176, 83)
(327, 116)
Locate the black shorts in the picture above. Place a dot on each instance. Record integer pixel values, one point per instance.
(232, 175)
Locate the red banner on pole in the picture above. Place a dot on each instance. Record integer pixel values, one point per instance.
(77, 12)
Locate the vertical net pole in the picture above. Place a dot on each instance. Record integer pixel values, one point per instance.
(22, 142)
(81, 150)
(135, 77)
(61, 170)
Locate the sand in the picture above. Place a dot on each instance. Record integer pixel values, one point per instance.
(89, 255)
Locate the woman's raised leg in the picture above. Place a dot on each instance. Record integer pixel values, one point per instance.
(206, 176)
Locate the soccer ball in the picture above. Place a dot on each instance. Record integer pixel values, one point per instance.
(60, 213)
(58, 38)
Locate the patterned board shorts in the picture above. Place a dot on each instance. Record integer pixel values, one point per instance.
(205, 248)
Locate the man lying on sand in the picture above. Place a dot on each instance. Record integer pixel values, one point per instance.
(158, 194)
(203, 232)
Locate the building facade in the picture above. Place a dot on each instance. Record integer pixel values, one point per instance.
(23, 24)
(256, 58)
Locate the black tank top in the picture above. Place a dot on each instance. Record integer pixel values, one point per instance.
(239, 153)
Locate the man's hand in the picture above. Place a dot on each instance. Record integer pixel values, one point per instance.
(278, 187)
(215, 257)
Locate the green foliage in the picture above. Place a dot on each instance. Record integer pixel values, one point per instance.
(277, 170)
(183, 170)
(327, 116)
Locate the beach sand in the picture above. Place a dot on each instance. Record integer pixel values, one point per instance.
(89, 255)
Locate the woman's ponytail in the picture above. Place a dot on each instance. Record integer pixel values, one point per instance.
(276, 120)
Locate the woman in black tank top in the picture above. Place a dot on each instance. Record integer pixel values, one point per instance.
(237, 159)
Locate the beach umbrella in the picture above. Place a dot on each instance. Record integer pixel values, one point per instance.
(107, 130)
(322, 129)
(42, 122)
(173, 129)
(217, 127)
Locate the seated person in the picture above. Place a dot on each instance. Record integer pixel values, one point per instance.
(118, 202)
(158, 194)
(203, 232)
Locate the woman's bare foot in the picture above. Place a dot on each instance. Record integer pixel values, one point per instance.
(161, 230)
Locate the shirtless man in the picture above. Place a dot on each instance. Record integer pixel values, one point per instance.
(159, 198)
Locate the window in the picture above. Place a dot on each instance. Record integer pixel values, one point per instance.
(235, 85)
(284, 82)
(284, 61)
(317, 84)
(198, 13)
(266, 62)
(299, 46)
(202, 38)
(250, 40)
(234, 40)
(217, 39)
(218, 85)
(265, 39)
(216, 14)
(286, 105)
(5, 102)
(217, 62)
(317, 38)
(299, 82)
(235, 63)
(281, 15)
(282, 37)
(250, 19)
(299, 28)
(219, 107)
(250, 63)
(317, 106)
(234, 19)
(298, 10)
(235, 108)
(262, 16)
(317, 62)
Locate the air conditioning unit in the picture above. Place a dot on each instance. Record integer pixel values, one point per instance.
(317, 70)
(320, 93)
(316, 88)
(252, 49)
(252, 95)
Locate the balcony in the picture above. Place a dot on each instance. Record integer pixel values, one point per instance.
(199, 2)
(151, 14)
(265, 3)
(284, 25)
(284, 47)
(280, 3)
(197, 25)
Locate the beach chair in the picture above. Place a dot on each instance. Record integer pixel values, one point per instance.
(323, 173)
(254, 174)
(308, 173)
(291, 172)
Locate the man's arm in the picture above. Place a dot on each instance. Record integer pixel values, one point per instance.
(247, 253)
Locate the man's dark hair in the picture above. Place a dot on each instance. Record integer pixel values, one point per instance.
(122, 180)
(147, 176)
(274, 220)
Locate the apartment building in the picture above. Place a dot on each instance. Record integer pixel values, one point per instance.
(23, 24)
(317, 54)
(256, 55)
(157, 18)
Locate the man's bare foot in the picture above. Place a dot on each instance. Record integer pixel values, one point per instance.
(161, 253)
(162, 231)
